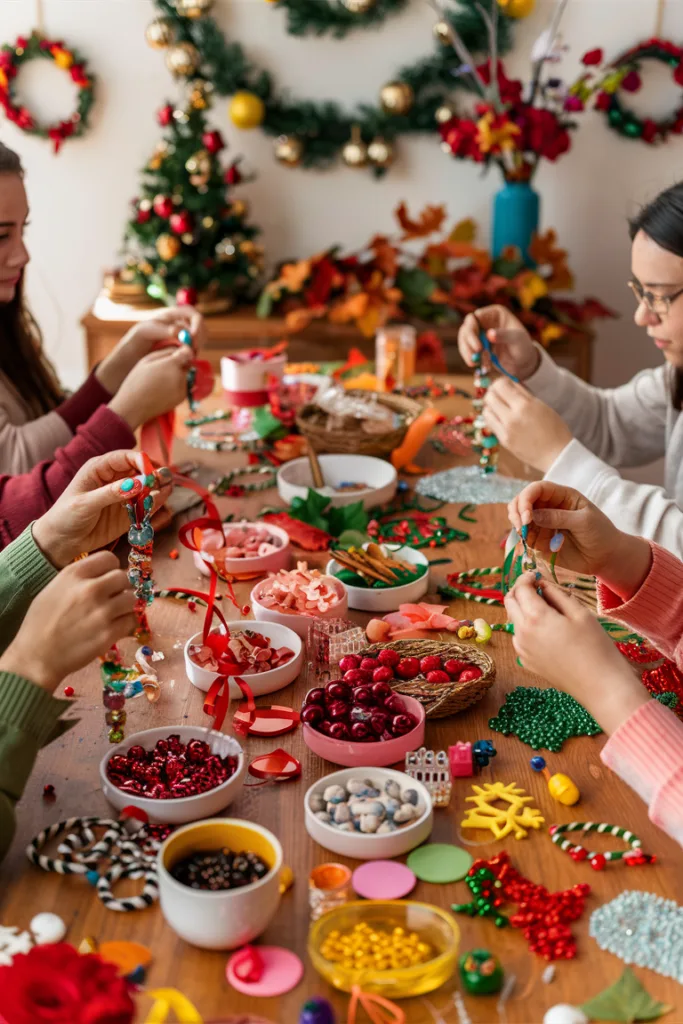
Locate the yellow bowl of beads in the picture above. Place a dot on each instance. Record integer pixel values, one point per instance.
(393, 948)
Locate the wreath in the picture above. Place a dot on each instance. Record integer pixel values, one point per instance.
(11, 60)
(623, 75)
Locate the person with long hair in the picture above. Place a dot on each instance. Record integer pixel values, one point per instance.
(580, 435)
(46, 436)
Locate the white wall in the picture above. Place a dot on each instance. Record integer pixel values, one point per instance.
(80, 198)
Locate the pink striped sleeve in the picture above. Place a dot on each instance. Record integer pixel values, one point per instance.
(647, 753)
(656, 608)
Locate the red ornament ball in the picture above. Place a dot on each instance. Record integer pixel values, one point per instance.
(165, 115)
(143, 216)
(233, 175)
(186, 296)
(48, 791)
(181, 223)
(213, 142)
(69, 691)
(163, 206)
(597, 862)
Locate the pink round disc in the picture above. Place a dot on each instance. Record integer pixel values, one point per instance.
(383, 880)
(282, 971)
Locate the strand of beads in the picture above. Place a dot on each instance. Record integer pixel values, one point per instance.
(185, 338)
(633, 857)
(484, 442)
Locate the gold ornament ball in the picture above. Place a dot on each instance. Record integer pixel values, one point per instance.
(208, 223)
(193, 8)
(289, 150)
(238, 208)
(188, 238)
(199, 163)
(358, 6)
(248, 247)
(396, 97)
(355, 153)
(182, 59)
(225, 250)
(444, 114)
(517, 8)
(199, 96)
(145, 268)
(168, 247)
(159, 33)
(442, 32)
(381, 153)
(246, 110)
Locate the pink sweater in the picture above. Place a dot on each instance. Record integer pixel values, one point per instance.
(647, 750)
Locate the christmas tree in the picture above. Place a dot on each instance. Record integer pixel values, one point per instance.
(188, 241)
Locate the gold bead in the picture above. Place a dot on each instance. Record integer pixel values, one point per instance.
(355, 152)
(358, 6)
(193, 8)
(208, 223)
(396, 97)
(380, 153)
(444, 114)
(442, 32)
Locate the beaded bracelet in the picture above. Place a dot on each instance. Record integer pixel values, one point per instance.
(225, 485)
(633, 857)
(227, 443)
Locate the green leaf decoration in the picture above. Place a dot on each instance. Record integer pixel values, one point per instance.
(264, 422)
(416, 284)
(348, 517)
(310, 509)
(264, 306)
(352, 539)
(626, 1000)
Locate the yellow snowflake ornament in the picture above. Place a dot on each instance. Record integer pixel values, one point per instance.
(516, 817)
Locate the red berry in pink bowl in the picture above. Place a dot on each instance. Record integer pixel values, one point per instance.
(389, 657)
(360, 732)
(363, 695)
(368, 663)
(348, 662)
(378, 722)
(394, 705)
(337, 710)
(313, 715)
(430, 663)
(438, 676)
(315, 696)
(401, 724)
(408, 668)
(382, 674)
(337, 690)
(339, 731)
(470, 673)
(381, 691)
(454, 667)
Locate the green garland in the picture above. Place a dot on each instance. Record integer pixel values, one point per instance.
(323, 127)
(625, 121)
(318, 17)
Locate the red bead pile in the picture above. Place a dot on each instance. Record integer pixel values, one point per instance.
(542, 916)
(357, 707)
(389, 667)
(171, 770)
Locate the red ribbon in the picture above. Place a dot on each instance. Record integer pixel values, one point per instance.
(278, 766)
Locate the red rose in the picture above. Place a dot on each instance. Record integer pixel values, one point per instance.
(603, 101)
(650, 131)
(592, 58)
(213, 142)
(510, 89)
(631, 82)
(54, 984)
(574, 104)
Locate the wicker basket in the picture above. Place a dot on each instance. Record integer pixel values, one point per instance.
(355, 441)
(442, 699)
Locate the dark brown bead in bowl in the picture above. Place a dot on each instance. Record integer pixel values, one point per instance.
(218, 870)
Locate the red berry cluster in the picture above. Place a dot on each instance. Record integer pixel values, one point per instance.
(543, 916)
(171, 770)
(388, 666)
(360, 707)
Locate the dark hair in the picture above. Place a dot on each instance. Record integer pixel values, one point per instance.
(21, 348)
(662, 221)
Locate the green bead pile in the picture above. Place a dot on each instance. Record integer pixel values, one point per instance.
(543, 718)
(481, 884)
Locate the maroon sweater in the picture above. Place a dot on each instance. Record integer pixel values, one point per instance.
(97, 430)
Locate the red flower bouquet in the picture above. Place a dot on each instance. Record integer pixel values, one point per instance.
(54, 984)
(513, 125)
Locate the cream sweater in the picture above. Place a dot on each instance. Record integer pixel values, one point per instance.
(25, 442)
(627, 426)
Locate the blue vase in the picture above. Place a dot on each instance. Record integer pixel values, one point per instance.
(516, 216)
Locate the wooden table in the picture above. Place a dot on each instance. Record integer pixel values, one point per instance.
(71, 765)
(107, 322)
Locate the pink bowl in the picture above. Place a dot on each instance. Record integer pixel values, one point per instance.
(299, 623)
(273, 562)
(369, 755)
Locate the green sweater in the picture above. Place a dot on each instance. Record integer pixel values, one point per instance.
(28, 715)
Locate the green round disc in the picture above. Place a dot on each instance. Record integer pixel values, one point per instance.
(439, 863)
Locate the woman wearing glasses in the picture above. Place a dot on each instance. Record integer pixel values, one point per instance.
(581, 435)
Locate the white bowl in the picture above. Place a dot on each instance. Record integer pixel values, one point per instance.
(387, 599)
(371, 846)
(220, 920)
(185, 808)
(294, 479)
(273, 562)
(298, 623)
(261, 682)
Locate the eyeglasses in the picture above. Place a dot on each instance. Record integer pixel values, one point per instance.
(660, 305)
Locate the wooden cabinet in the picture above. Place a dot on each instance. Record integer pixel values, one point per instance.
(107, 322)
